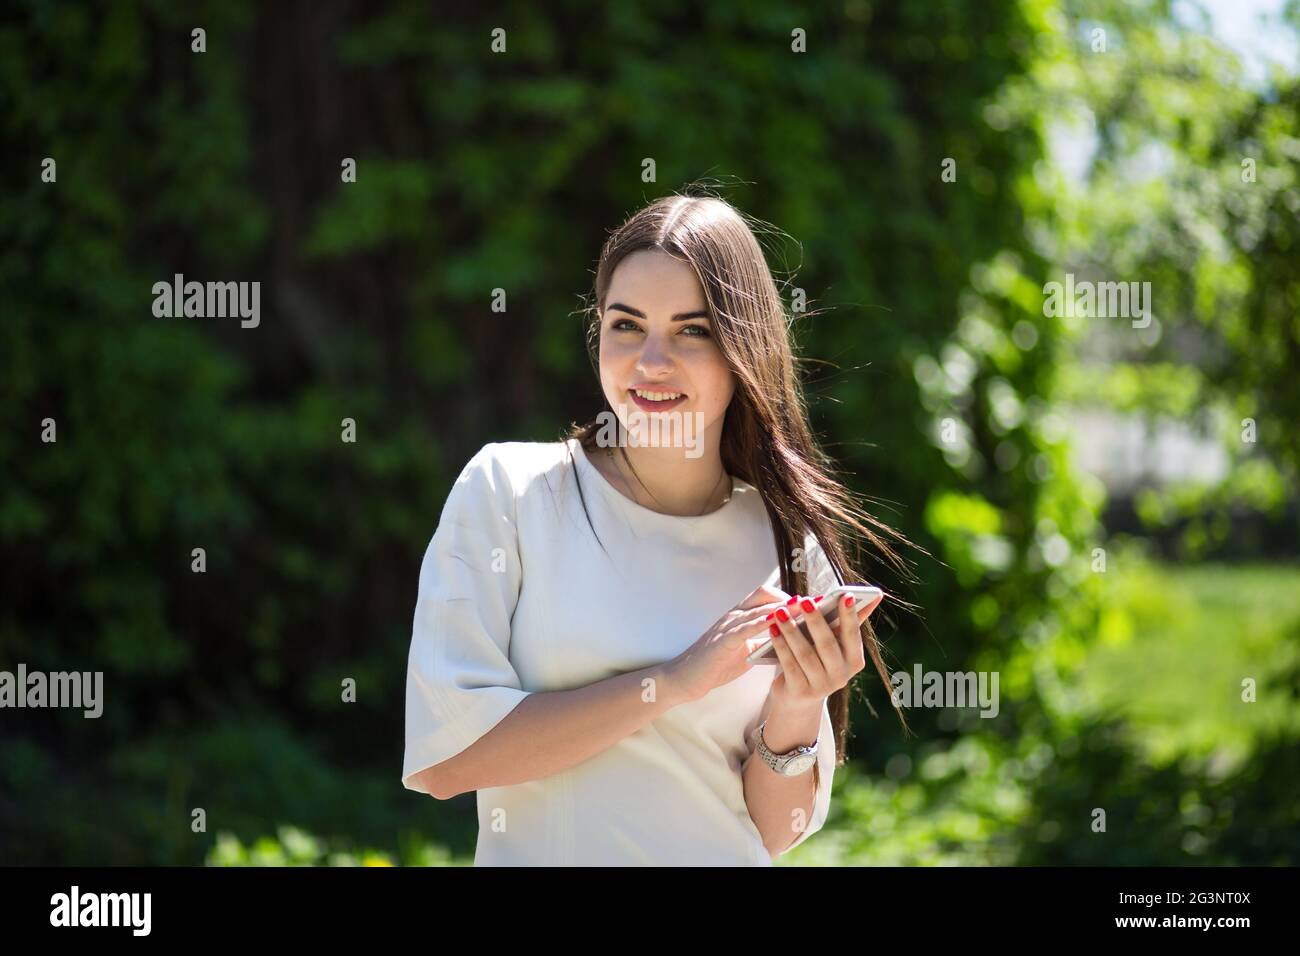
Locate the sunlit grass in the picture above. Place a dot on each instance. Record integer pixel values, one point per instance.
(1196, 633)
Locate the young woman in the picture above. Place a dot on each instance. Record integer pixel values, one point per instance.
(586, 606)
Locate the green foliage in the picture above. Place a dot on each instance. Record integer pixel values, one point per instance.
(1194, 187)
(293, 846)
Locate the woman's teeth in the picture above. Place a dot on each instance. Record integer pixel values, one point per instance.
(657, 396)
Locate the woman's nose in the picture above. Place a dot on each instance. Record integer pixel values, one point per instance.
(654, 358)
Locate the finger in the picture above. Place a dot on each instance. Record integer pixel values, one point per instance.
(863, 611)
(851, 634)
(796, 680)
(802, 648)
(788, 604)
(866, 609)
(763, 614)
(736, 618)
(746, 633)
(751, 624)
(823, 639)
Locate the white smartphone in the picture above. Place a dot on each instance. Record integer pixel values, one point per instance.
(863, 595)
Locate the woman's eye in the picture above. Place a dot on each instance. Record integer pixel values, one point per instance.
(627, 325)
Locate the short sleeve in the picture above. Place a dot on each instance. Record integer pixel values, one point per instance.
(460, 682)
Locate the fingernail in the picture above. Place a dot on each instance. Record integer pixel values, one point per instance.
(770, 616)
(775, 631)
(793, 598)
(819, 597)
(782, 614)
(848, 600)
(807, 605)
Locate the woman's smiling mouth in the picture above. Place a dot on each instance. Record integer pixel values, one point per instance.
(656, 399)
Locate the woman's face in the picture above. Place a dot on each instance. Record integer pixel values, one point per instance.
(655, 333)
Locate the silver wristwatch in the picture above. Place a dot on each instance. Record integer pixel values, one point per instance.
(792, 764)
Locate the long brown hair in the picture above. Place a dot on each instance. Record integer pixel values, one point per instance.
(766, 438)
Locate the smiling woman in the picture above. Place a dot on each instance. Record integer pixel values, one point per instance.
(589, 679)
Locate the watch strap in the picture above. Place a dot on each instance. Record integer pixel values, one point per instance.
(777, 761)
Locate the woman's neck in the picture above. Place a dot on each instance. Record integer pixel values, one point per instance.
(667, 481)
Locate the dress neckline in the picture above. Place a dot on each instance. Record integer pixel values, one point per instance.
(740, 488)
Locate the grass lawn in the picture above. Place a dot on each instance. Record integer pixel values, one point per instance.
(1175, 671)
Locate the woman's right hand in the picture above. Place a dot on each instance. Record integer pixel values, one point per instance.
(718, 657)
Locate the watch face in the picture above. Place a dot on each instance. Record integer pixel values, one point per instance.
(799, 764)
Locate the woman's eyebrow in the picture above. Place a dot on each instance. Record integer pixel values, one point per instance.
(679, 317)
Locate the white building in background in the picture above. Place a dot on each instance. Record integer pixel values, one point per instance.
(1126, 451)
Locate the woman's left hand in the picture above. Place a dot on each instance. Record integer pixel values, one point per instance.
(813, 669)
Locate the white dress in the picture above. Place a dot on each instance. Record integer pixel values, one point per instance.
(516, 596)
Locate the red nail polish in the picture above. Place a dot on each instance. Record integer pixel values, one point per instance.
(793, 598)
(848, 601)
(782, 614)
(819, 597)
(776, 631)
(770, 616)
(807, 605)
